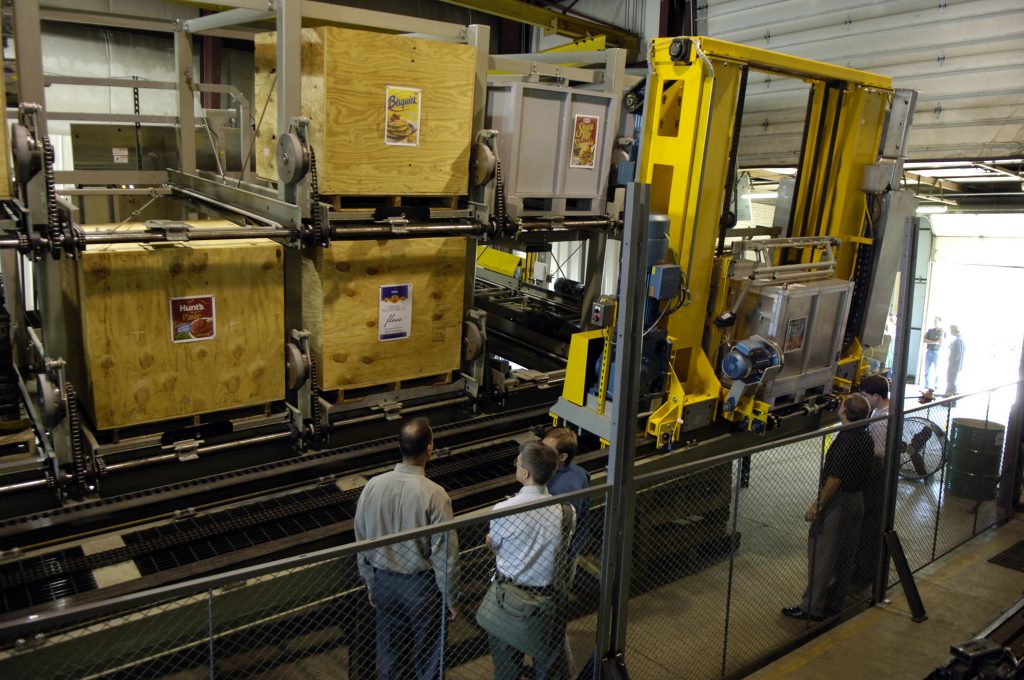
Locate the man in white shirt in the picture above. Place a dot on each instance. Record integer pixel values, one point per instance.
(876, 389)
(530, 552)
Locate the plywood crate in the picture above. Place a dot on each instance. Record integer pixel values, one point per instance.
(347, 77)
(342, 288)
(136, 361)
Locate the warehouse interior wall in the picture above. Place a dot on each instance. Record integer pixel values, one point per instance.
(966, 57)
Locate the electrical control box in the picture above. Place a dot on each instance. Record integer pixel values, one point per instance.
(603, 313)
(666, 282)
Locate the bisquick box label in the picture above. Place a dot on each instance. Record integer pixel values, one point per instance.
(402, 116)
(193, 318)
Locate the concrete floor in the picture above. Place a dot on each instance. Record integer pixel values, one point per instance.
(722, 618)
(962, 594)
(695, 622)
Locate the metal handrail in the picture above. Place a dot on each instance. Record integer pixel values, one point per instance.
(20, 626)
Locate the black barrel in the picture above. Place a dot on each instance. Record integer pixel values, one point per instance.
(975, 457)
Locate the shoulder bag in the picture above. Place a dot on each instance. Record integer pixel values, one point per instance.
(526, 620)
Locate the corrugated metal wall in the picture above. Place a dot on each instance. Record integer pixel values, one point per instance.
(966, 57)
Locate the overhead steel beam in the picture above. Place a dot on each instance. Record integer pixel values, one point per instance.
(350, 16)
(67, 16)
(552, 21)
(998, 170)
(232, 17)
(943, 184)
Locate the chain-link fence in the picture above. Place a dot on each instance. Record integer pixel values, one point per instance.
(950, 469)
(720, 552)
(733, 559)
(433, 594)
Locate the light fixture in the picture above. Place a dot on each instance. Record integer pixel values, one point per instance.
(930, 209)
(764, 195)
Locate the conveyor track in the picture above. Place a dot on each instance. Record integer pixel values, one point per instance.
(192, 540)
(293, 472)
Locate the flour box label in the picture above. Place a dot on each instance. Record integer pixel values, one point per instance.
(193, 318)
(584, 141)
(395, 321)
(402, 116)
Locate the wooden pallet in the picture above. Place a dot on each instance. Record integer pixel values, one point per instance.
(341, 396)
(344, 203)
(18, 444)
(216, 420)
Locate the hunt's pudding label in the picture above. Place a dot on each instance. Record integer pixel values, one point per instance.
(402, 116)
(395, 312)
(193, 319)
(584, 141)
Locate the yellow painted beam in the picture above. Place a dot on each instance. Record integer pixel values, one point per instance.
(767, 60)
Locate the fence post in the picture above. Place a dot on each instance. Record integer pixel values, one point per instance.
(209, 630)
(618, 521)
(897, 398)
(1009, 481)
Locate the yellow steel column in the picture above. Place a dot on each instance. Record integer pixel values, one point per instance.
(687, 135)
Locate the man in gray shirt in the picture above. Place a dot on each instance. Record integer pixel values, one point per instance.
(408, 582)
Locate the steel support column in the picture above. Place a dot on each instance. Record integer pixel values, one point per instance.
(618, 528)
(897, 397)
(186, 99)
(479, 36)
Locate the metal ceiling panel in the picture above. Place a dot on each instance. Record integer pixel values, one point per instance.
(966, 57)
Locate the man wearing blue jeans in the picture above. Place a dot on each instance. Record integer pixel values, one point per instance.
(932, 344)
(408, 583)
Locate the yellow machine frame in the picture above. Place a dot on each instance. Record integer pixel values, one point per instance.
(693, 90)
(687, 137)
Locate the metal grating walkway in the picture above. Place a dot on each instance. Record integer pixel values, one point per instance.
(1012, 557)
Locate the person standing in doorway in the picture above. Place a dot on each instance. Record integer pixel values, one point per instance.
(409, 582)
(956, 359)
(932, 344)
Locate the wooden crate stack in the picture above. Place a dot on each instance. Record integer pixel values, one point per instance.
(346, 76)
(127, 363)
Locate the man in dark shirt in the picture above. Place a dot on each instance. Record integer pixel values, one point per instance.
(570, 477)
(835, 516)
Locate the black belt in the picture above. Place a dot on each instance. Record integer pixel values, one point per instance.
(536, 590)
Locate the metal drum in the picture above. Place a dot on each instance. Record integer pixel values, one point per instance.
(975, 456)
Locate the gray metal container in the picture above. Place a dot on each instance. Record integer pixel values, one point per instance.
(806, 320)
(535, 145)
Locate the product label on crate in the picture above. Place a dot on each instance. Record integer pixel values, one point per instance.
(402, 116)
(395, 312)
(193, 319)
(795, 334)
(584, 141)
